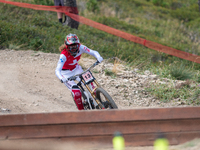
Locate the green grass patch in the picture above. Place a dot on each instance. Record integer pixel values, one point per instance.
(168, 92)
(195, 98)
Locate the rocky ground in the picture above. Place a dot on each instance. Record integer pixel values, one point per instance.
(29, 84)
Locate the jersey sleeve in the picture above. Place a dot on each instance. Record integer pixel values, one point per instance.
(59, 67)
(89, 51)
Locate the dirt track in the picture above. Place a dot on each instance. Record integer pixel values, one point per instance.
(29, 84)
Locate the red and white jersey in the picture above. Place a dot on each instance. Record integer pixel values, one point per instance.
(68, 62)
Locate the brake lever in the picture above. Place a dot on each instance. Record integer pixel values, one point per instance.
(96, 63)
(72, 78)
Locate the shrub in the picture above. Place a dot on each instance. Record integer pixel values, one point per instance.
(36, 43)
(92, 5)
(179, 72)
(176, 5)
(196, 97)
(194, 23)
(157, 2)
(185, 15)
(160, 3)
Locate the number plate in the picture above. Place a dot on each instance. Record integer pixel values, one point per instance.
(87, 77)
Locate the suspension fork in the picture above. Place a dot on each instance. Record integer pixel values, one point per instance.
(92, 93)
(84, 94)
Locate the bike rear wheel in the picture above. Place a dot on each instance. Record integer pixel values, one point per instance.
(105, 99)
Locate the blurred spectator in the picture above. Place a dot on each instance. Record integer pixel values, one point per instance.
(60, 15)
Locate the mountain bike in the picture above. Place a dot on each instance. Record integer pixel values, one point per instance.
(94, 97)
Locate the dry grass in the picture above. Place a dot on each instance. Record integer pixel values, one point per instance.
(116, 66)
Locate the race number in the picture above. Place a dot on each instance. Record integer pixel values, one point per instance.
(87, 77)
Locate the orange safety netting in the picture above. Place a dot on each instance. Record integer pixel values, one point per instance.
(72, 12)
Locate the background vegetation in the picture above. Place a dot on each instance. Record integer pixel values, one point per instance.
(174, 23)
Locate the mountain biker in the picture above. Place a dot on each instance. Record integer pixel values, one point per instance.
(68, 65)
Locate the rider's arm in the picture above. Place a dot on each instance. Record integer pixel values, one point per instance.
(87, 50)
(59, 67)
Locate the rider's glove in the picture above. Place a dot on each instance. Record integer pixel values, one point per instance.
(63, 80)
(100, 59)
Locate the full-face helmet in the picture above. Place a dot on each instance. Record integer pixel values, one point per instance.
(72, 44)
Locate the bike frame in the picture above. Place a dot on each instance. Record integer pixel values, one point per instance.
(89, 93)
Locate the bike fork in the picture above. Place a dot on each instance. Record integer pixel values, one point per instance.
(94, 97)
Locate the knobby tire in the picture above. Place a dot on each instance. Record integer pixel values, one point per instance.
(109, 99)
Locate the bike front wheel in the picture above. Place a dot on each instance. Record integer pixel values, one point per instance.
(105, 99)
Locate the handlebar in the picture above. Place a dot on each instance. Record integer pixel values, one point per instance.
(75, 76)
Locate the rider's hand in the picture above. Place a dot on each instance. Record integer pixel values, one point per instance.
(63, 80)
(100, 59)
